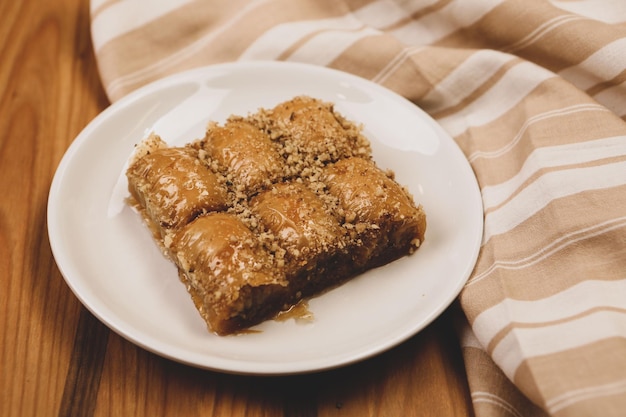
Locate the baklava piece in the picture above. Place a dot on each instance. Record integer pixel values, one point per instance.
(380, 215)
(230, 276)
(172, 186)
(270, 209)
(245, 155)
(311, 134)
(313, 240)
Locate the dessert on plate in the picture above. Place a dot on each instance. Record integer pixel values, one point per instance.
(271, 208)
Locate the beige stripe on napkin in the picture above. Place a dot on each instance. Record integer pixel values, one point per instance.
(534, 92)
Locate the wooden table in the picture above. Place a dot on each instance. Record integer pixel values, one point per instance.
(57, 359)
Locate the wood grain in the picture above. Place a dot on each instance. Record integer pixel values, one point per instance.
(57, 359)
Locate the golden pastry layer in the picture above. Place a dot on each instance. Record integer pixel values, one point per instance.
(270, 209)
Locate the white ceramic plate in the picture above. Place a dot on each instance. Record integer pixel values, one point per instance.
(110, 262)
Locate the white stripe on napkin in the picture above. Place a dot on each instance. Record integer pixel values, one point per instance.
(553, 156)
(548, 187)
(523, 343)
(125, 16)
(513, 87)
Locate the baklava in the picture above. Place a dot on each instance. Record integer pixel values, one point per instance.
(271, 208)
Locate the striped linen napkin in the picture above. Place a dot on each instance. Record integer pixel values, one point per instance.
(534, 93)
